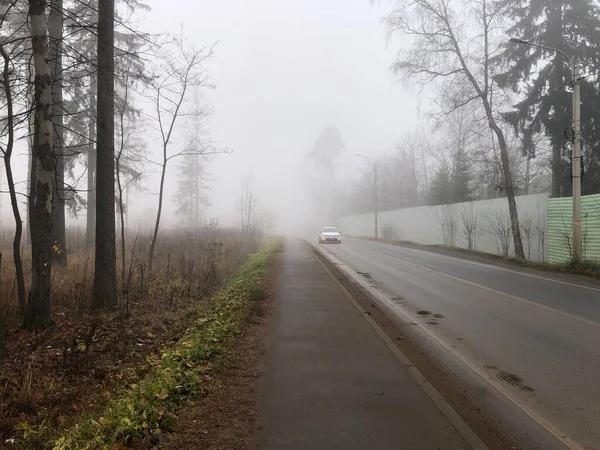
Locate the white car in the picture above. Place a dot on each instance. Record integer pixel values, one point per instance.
(330, 234)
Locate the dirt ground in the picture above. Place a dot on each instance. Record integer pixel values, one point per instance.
(48, 378)
(227, 417)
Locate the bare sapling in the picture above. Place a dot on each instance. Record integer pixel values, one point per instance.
(500, 228)
(529, 233)
(176, 78)
(7, 152)
(470, 224)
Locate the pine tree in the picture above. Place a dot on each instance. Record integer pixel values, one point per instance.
(191, 197)
(574, 27)
(461, 179)
(81, 76)
(105, 267)
(441, 189)
(322, 160)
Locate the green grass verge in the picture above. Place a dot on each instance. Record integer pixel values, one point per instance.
(587, 267)
(146, 408)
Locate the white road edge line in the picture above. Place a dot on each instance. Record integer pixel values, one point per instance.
(514, 297)
(392, 308)
(491, 266)
(469, 436)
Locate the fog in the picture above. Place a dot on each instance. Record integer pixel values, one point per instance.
(283, 71)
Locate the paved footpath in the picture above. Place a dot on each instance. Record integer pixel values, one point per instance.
(331, 382)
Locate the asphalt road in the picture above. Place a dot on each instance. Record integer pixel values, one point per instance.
(537, 334)
(331, 382)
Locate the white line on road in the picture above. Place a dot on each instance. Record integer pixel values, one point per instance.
(389, 305)
(503, 269)
(469, 436)
(514, 297)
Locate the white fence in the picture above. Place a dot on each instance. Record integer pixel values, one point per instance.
(481, 225)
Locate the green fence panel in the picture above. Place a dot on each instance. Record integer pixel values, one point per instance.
(560, 228)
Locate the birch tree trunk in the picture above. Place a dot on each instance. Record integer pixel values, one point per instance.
(440, 52)
(38, 308)
(59, 239)
(90, 229)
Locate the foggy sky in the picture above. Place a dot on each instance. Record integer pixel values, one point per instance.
(284, 71)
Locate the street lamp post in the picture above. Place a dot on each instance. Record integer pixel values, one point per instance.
(376, 184)
(576, 146)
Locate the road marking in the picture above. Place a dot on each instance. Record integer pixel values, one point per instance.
(490, 266)
(514, 297)
(391, 306)
(469, 436)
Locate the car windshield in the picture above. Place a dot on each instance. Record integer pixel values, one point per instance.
(330, 230)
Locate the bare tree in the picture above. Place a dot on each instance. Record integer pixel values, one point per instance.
(447, 223)
(529, 233)
(169, 90)
(540, 230)
(263, 222)
(388, 230)
(127, 156)
(500, 228)
(247, 204)
(105, 262)
(412, 171)
(456, 52)
(7, 152)
(470, 224)
(42, 184)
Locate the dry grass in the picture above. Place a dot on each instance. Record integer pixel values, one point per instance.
(47, 379)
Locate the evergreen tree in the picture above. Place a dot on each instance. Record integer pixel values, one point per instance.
(80, 85)
(322, 160)
(191, 197)
(461, 179)
(572, 26)
(441, 188)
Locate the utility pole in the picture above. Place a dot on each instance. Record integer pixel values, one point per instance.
(376, 202)
(376, 189)
(576, 157)
(577, 244)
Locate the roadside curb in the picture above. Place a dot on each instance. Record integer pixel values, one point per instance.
(420, 333)
(453, 417)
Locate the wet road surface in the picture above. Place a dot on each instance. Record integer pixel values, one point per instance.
(539, 334)
(331, 382)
